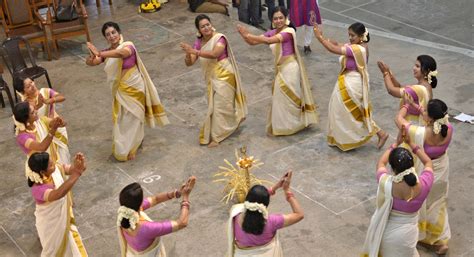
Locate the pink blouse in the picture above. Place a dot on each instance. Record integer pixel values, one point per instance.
(21, 139)
(274, 222)
(287, 46)
(147, 231)
(411, 109)
(436, 151)
(130, 61)
(426, 179)
(197, 46)
(38, 191)
(350, 61)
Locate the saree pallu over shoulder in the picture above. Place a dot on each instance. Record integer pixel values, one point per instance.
(227, 105)
(156, 249)
(433, 215)
(135, 103)
(293, 106)
(421, 93)
(59, 147)
(56, 225)
(271, 249)
(379, 219)
(350, 111)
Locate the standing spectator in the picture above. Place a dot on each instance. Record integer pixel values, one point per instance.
(208, 6)
(305, 13)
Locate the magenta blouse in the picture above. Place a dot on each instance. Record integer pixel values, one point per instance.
(274, 222)
(287, 46)
(198, 42)
(130, 61)
(21, 139)
(350, 61)
(426, 179)
(147, 231)
(436, 151)
(411, 109)
(38, 191)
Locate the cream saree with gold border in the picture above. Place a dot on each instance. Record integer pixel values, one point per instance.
(48, 110)
(156, 249)
(56, 225)
(227, 105)
(293, 107)
(433, 222)
(135, 102)
(58, 149)
(350, 113)
(391, 233)
(271, 249)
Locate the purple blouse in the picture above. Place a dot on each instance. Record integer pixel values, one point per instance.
(147, 231)
(411, 109)
(287, 46)
(130, 61)
(274, 222)
(426, 179)
(436, 151)
(197, 46)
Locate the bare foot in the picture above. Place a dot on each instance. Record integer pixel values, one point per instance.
(131, 156)
(382, 139)
(212, 144)
(441, 249)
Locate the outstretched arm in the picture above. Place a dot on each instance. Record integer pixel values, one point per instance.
(255, 40)
(331, 46)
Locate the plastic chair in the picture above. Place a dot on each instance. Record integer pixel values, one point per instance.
(16, 64)
(4, 87)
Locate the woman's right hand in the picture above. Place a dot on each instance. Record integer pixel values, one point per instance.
(55, 123)
(242, 30)
(79, 164)
(287, 181)
(93, 50)
(317, 31)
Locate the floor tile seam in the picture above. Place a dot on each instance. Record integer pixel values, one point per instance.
(296, 143)
(304, 195)
(154, 22)
(415, 27)
(13, 240)
(355, 7)
(420, 42)
(250, 68)
(130, 177)
(352, 18)
(98, 234)
(354, 206)
(177, 76)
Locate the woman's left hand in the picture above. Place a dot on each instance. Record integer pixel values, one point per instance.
(93, 49)
(187, 48)
(242, 30)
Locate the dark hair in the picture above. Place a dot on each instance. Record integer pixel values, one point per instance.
(254, 223)
(359, 29)
(284, 11)
(38, 162)
(21, 112)
(110, 24)
(19, 83)
(198, 19)
(400, 159)
(437, 109)
(131, 197)
(427, 64)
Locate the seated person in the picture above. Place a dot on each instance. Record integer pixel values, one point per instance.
(208, 6)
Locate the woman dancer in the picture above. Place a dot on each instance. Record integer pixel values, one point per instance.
(227, 106)
(252, 231)
(55, 222)
(138, 234)
(293, 107)
(425, 73)
(393, 229)
(44, 100)
(135, 99)
(35, 134)
(434, 139)
(350, 112)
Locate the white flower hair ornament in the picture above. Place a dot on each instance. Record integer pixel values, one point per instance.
(127, 213)
(287, 22)
(257, 207)
(18, 126)
(399, 177)
(364, 35)
(432, 74)
(32, 176)
(439, 122)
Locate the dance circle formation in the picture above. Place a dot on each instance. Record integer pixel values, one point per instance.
(411, 203)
